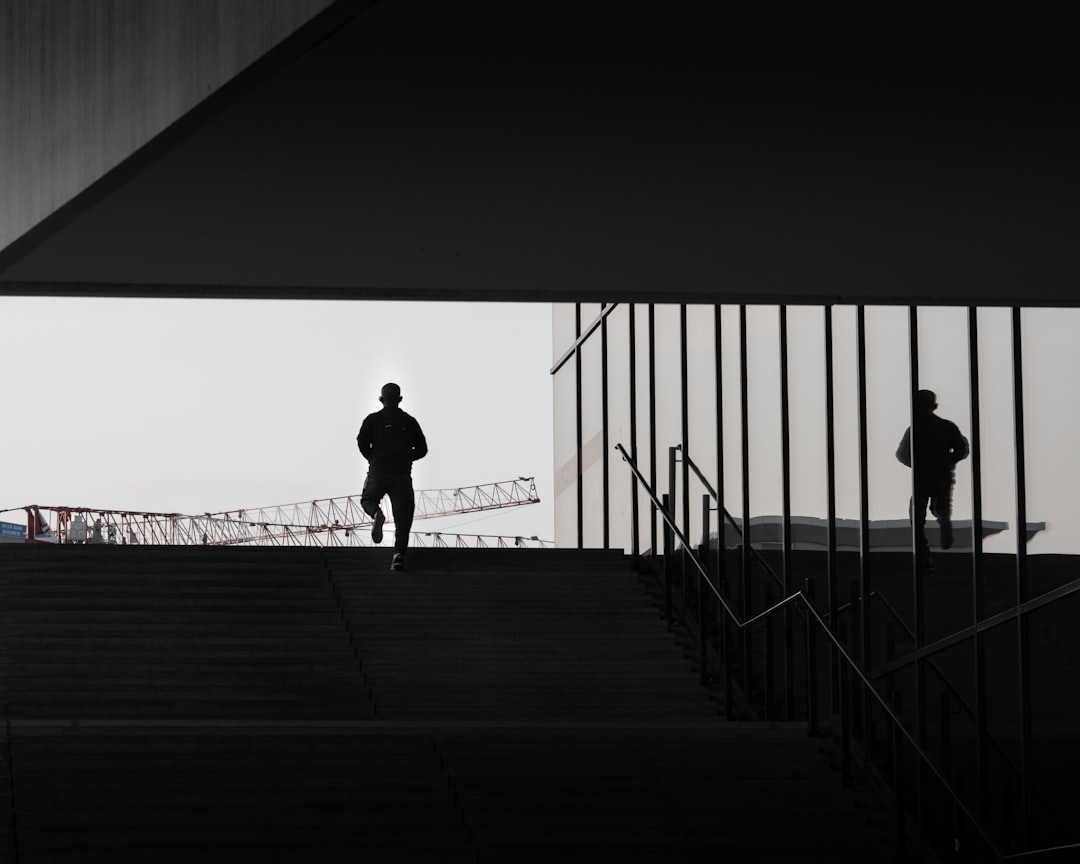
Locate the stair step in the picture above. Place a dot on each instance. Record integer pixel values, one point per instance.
(188, 698)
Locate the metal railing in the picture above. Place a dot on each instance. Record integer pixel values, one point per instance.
(893, 665)
(850, 666)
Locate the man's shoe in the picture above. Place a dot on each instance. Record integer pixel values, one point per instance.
(946, 535)
(376, 529)
(398, 563)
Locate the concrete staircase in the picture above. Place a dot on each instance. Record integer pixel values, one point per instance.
(198, 704)
(518, 638)
(950, 733)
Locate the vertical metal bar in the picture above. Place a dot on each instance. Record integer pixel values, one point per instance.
(977, 592)
(845, 712)
(703, 645)
(605, 464)
(721, 524)
(672, 451)
(635, 527)
(811, 665)
(830, 472)
(864, 485)
(862, 639)
(668, 544)
(744, 594)
(684, 438)
(725, 636)
(917, 566)
(684, 402)
(1023, 625)
(767, 600)
(577, 432)
(785, 482)
(652, 420)
(918, 569)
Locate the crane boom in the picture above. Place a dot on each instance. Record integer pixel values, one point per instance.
(345, 511)
(322, 522)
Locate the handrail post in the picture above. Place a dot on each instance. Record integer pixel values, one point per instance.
(703, 606)
(668, 544)
(669, 506)
(672, 459)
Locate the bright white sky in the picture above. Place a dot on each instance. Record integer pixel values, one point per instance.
(202, 406)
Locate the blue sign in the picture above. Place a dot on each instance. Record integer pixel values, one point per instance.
(10, 529)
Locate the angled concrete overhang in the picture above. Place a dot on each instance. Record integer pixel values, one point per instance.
(552, 153)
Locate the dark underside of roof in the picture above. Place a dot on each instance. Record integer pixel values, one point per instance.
(554, 153)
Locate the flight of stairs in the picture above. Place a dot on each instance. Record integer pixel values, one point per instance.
(950, 690)
(200, 704)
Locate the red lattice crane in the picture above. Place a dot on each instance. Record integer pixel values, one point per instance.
(322, 522)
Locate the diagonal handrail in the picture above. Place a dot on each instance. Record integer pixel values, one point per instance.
(799, 597)
(1049, 598)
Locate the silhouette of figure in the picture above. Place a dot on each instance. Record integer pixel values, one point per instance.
(939, 445)
(391, 441)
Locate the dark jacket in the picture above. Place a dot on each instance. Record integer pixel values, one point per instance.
(939, 445)
(391, 441)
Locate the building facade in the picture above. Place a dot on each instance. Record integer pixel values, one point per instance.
(657, 376)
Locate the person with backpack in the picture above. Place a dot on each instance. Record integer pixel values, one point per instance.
(390, 440)
(939, 445)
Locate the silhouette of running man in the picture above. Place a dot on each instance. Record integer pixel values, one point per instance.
(939, 445)
(391, 441)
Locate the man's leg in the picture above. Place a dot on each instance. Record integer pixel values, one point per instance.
(373, 492)
(403, 501)
(917, 511)
(941, 507)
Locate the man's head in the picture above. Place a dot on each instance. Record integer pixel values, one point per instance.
(390, 395)
(926, 401)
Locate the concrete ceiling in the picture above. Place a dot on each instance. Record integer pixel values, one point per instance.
(532, 152)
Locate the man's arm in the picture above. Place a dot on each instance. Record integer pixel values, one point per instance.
(419, 442)
(960, 446)
(363, 439)
(903, 452)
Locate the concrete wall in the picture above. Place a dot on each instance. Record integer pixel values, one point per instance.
(84, 84)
